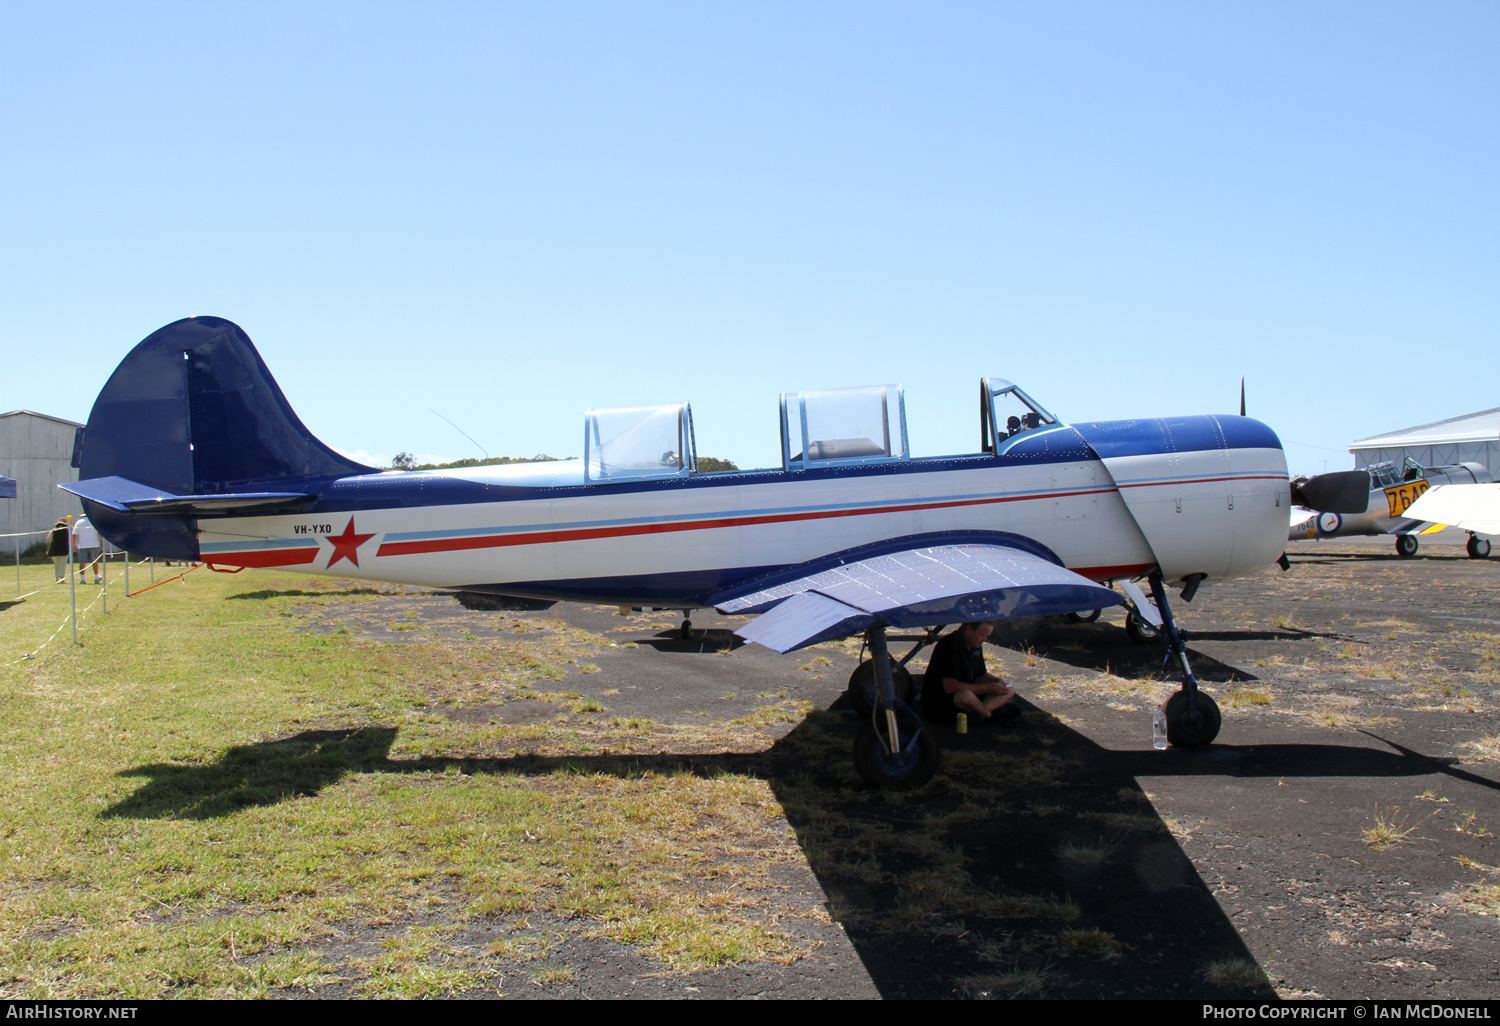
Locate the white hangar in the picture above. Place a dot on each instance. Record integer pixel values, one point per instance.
(36, 450)
(1471, 438)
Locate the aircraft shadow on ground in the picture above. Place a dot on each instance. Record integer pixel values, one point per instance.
(1338, 558)
(710, 641)
(1033, 865)
(270, 593)
(1296, 761)
(1105, 648)
(1281, 634)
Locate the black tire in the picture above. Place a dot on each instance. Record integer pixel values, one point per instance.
(1406, 545)
(1479, 548)
(1139, 629)
(1087, 616)
(911, 768)
(862, 686)
(1201, 729)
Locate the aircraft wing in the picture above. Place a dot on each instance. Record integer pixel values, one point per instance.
(1472, 507)
(914, 588)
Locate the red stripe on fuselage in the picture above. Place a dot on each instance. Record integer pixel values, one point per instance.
(1204, 480)
(1112, 573)
(494, 541)
(275, 557)
(626, 530)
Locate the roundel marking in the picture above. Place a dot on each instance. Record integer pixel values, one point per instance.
(1329, 523)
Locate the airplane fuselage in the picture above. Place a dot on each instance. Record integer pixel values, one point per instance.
(542, 530)
(1390, 497)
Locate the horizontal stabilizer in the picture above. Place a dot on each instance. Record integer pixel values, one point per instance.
(126, 496)
(916, 588)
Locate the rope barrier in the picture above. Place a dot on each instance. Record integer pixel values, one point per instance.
(33, 653)
(169, 580)
(98, 597)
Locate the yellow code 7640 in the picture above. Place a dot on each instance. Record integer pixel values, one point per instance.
(1403, 495)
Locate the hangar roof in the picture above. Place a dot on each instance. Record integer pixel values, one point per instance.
(43, 416)
(1483, 426)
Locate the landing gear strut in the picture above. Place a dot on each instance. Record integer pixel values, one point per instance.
(893, 748)
(863, 687)
(1192, 716)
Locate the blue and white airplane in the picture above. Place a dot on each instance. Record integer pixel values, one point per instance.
(192, 452)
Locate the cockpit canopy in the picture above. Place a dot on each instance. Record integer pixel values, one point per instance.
(1388, 474)
(839, 426)
(824, 428)
(638, 443)
(1005, 411)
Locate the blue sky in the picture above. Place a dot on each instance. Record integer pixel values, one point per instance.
(508, 213)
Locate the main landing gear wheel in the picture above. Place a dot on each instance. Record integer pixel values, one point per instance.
(1185, 730)
(910, 767)
(1479, 548)
(1139, 629)
(1086, 616)
(1406, 545)
(862, 685)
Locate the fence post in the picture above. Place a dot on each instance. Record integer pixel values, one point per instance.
(72, 588)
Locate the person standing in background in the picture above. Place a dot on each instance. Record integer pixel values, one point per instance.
(86, 547)
(58, 544)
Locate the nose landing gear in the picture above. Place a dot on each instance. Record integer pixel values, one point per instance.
(1193, 718)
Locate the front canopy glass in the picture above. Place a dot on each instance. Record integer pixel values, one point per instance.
(1005, 412)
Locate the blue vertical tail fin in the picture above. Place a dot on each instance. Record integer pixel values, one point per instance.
(193, 410)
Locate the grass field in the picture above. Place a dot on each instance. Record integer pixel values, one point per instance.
(203, 800)
(266, 784)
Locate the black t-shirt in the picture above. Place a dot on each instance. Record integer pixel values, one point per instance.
(951, 657)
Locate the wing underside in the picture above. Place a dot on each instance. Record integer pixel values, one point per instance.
(1472, 507)
(919, 587)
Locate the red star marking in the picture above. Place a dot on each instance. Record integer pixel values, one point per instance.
(346, 545)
